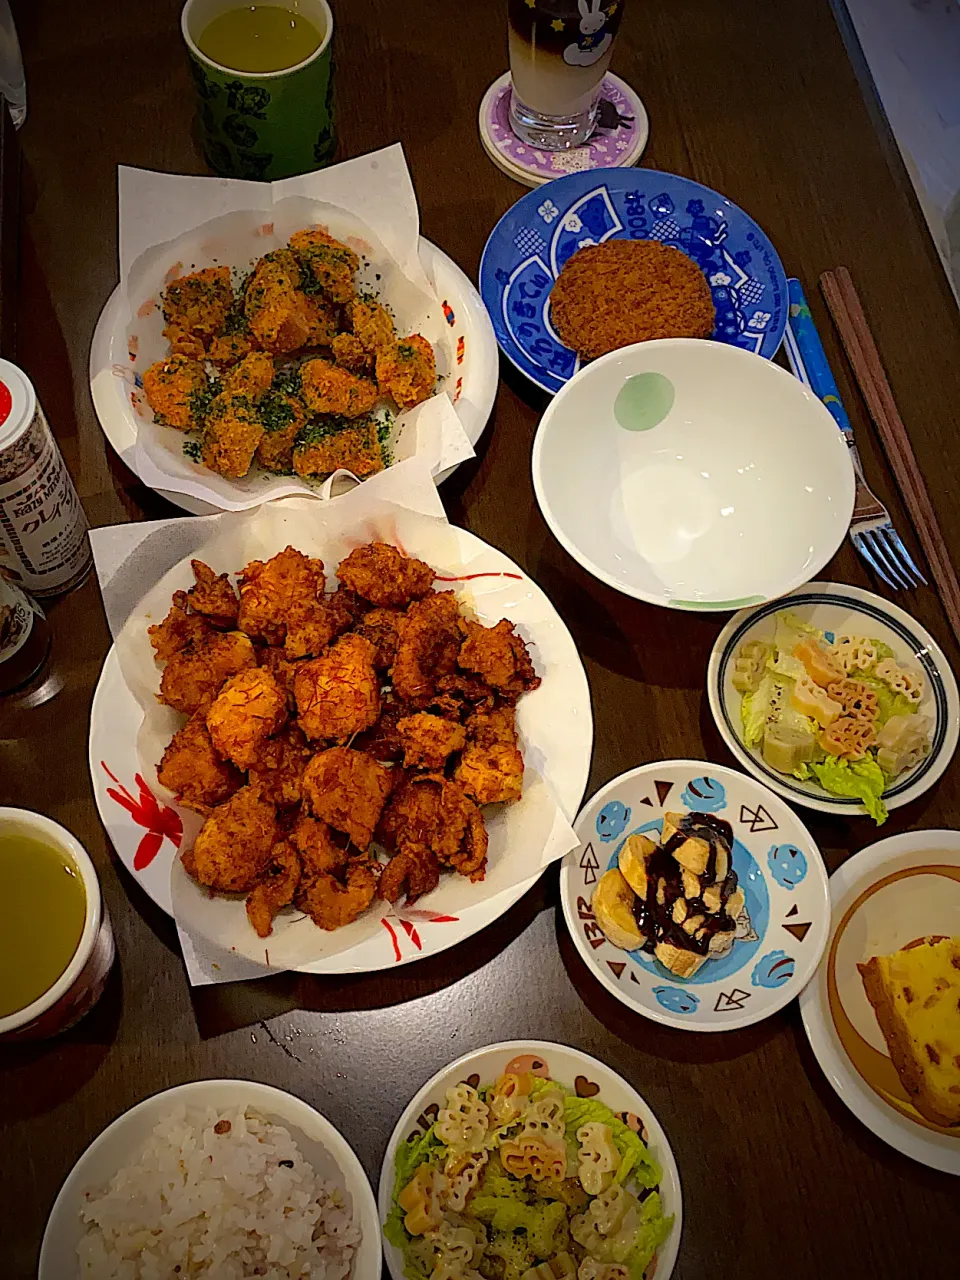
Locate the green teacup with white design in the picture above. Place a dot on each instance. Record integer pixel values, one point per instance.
(264, 78)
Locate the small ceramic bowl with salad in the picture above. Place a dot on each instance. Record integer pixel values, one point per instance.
(529, 1161)
(836, 699)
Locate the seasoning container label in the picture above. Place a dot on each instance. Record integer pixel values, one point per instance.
(43, 529)
(17, 615)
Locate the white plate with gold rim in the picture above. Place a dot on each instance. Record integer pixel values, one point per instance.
(897, 890)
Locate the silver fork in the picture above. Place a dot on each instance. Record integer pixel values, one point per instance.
(871, 530)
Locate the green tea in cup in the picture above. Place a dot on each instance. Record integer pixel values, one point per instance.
(264, 79)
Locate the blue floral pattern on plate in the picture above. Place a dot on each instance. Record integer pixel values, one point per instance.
(530, 244)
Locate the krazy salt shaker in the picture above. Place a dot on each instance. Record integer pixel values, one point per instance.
(43, 531)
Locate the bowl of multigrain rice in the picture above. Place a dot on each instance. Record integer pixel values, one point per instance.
(693, 475)
(221, 1179)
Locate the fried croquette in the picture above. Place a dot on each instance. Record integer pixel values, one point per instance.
(277, 771)
(213, 595)
(283, 418)
(338, 694)
(624, 291)
(193, 677)
(250, 708)
(382, 628)
(179, 629)
(251, 377)
(183, 343)
(347, 789)
(199, 303)
(331, 263)
(407, 371)
(429, 644)
(174, 389)
(350, 353)
(271, 589)
(233, 431)
(275, 309)
(276, 889)
(429, 740)
(229, 349)
(313, 624)
(385, 576)
(499, 656)
(372, 325)
(330, 389)
(192, 770)
(354, 446)
(233, 847)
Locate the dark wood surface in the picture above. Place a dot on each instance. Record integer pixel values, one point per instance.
(757, 99)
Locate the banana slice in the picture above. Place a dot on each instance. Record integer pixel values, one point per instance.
(633, 862)
(613, 907)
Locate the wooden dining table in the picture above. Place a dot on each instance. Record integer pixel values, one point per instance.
(769, 104)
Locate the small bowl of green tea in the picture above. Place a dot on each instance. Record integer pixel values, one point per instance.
(56, 945)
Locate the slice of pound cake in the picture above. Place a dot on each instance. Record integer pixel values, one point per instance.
(915, 994)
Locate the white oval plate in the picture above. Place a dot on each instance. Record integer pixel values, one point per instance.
(839, 609)
(321, 1144)
(780, 871)
(899, 889)
(146, 832)
(567, 1066)
(473, 391)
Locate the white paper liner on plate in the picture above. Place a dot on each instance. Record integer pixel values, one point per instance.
(170, 225)
(524, 837)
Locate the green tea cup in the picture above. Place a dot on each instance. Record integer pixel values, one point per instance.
(263, 125)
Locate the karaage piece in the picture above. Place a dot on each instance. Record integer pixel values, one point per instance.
(251, 377)
(229, 349)
(234, 844)
(193, 677)
(347, 789)
(183, 343)
(338, 694)
(322, 319)
(491, 774)
(319, 853)
(385, 576)
(499, 656)
(429, 643)
(192, 770)
(407, 371)
(331, 263)
(332, 901)
(179, 629)
(276, 660)
(313, 624)
(199, 303)
(280, 881)
(459, 816)
(458, 695)
(429, 814)
(279, 319)
(428, 740)
(490, 726)
(250, 708)
(372, 325)
(278, 768)
(213, 596)
(353, 446)
(175, 389)
(383, 741)
(409, 874)
(382, 628)
(350, 353)
(271, 589)
(233, 431)
(329, 389)
(283, 418)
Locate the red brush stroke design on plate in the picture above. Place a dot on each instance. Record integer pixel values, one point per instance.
(461, 345)
(456, 395)
(162, 822)
(469, 577)
(174, 273)
(408, 921)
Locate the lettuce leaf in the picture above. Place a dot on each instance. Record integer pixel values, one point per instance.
(755, 708)
(539, 1222)
(883, 650)
(790, 630)
(889, 703)
(635, 1159)
(424, 1149)
(654, 1229)
(861, 779)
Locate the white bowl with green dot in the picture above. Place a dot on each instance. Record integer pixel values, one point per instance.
(693, 474)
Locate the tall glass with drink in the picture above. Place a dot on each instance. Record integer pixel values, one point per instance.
(559, 53)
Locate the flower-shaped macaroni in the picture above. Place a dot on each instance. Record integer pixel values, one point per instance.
(590, 1269)
(462, 1173)
(511, 1093)
(562, 1266)
(848, 738)
(857, 699)
(420, 1200)
(463, 1123)
(455, 1250)
(610, 1215)
(599, 1158)
(907, 681)
(749, 666)
(854, 653)
(544, 1116)
(532, 1157)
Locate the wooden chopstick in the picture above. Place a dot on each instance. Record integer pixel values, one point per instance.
(847, 312)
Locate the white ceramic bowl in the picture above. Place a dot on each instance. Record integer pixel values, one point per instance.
(567, 1066)
(693, 474)
(321, 1144)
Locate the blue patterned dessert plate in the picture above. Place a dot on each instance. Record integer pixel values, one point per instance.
(530, 244)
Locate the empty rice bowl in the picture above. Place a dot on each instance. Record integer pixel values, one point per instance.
(219, 1192)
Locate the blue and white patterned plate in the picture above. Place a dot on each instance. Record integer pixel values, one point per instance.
(532, 241)
(778, 867)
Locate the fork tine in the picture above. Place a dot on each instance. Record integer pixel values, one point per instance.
(860, 542)
(907, 559)
(884, 554)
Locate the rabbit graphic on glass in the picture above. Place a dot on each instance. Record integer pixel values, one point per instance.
(559, 53)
